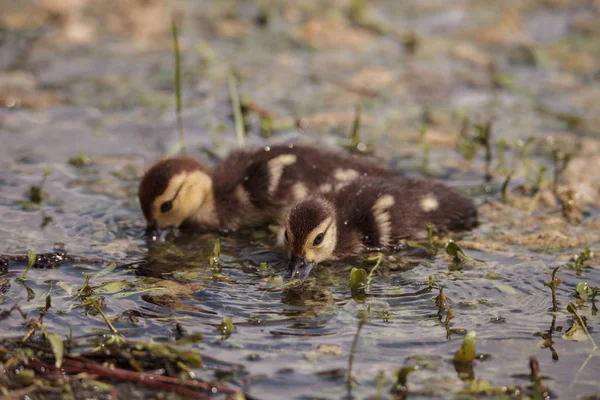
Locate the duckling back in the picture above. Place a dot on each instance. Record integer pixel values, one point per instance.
(381, 212)
(258, 186)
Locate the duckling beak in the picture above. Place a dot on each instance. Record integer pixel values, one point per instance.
(152, 230)
(300, 267)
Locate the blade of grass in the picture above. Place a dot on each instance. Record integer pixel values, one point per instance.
(237, 109)
(31, 257)
(181, 144)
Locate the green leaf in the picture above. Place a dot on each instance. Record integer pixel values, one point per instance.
(216, 254)
(575, 332)
(358, 278)
(66, 287)
(453, 250)
(190, 339)
(112, 287)
(104, 271)
(31, 257)
(57, 348)
(467, 352)
(226, 328)
(583, 291)
(122, 295)
(504, 288)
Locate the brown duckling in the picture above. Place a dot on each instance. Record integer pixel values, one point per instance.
(250, 187)
(371, 213)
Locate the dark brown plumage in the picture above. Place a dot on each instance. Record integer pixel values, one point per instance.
(248, 188)
(372, 213)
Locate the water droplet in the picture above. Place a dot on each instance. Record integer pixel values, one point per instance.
(245, 179)
(267, 148)
(314, 166)
(361, 147)
(291, 146)
(346, 222)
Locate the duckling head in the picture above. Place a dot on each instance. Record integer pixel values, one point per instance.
(311, 235)
(173, 191)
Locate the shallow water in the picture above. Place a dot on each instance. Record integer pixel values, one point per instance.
(117, 107)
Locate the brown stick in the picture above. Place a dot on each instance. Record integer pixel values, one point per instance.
(164, 382)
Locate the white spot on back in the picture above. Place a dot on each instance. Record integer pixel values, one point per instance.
(242, 195)
(383, 218)
(276, 166)
(325, 188)
(299, 191)
(345, 175)
(429, 203)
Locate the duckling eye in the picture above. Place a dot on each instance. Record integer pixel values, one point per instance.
(286, 237)
(166, 206)
(318, 239)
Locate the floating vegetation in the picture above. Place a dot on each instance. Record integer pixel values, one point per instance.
(467, 352)
(579, 261)
(81, 160)
(459, 258)
(579, 322)
(215, 256)
(226, 328)
(358, 282)
(36, 193)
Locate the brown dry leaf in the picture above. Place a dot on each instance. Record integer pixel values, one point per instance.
(579, 62)
(471, 54)
(232, 28)
(143, 19)
(324, 350)
(38, 100)
(586, 25)
(333, 118)
(70, 16)
(488, 246)
(332, 32)
(507, 30)
(372, 78)
(578, 178)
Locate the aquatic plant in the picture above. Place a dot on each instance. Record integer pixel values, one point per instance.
(553, 285)
(467, 353)
(238, 117)
(180, 147)
(226, 328)
(36, 192)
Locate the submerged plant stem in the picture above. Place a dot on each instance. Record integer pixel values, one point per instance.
(361, 322)
(110, 325)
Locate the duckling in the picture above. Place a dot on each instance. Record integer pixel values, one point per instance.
(371, 213)
(250, 187)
